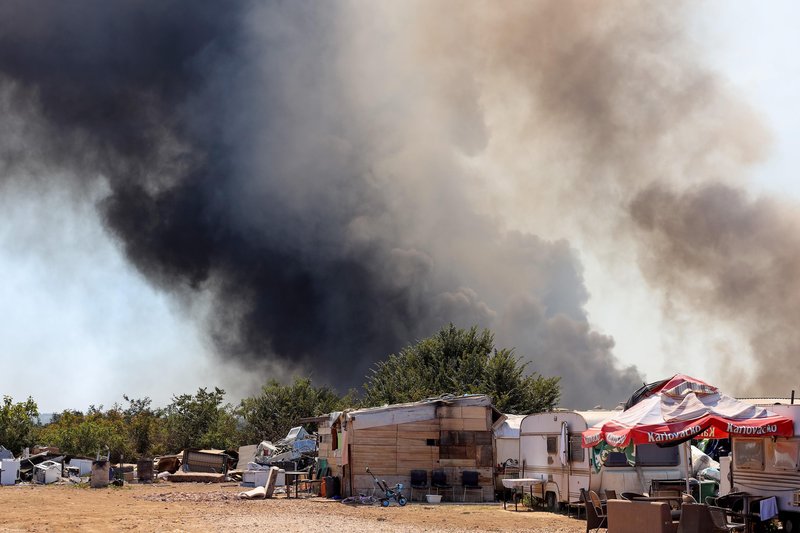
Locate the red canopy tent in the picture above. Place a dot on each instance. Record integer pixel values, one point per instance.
(682, 408)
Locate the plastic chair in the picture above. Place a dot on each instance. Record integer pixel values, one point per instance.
(439, 482)
(469, 479)
(419, 481)
(599, 510)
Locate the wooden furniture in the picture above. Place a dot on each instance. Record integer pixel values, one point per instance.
(698, 518)
(626, 516)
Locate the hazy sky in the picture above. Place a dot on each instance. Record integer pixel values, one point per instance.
(752, 45)
(102, 330)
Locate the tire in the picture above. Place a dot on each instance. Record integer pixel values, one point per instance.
(550, 502)
(385, 503)
(401, 501)
(791, 523)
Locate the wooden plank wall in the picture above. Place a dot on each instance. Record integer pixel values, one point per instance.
(458, 439)
(324, 449)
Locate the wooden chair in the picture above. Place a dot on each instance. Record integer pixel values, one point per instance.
(599, 510)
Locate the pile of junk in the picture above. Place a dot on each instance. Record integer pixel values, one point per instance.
(297, 452)
(45, 465)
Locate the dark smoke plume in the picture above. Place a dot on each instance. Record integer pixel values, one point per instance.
(340, 180)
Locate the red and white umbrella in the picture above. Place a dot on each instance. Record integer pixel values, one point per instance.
(682, 408)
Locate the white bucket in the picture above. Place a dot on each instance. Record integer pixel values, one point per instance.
(434, 498)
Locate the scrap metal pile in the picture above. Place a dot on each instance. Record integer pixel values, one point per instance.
(296, 451)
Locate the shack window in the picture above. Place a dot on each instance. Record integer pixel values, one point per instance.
(576, 452)
(652, 455)
(782, 454)
(748, 454)
(552, 445)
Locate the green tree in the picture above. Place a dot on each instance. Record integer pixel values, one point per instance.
(18, 424)
(200, 421)
(271, 414)
(87, 434)
(145, 427)
(459, 361)
(515, 392)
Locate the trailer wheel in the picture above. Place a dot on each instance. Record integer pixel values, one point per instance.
(550, 502)
(791, 523)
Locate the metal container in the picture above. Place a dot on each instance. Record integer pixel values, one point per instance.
(100, 474)
(144, 470)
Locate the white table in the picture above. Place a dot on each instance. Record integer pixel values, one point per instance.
(516, 483)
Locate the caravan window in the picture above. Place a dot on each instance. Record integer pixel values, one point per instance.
(748, 454)
(576, 453)
(652, 455)
(616, 459)
(552, 445)
(782, 454)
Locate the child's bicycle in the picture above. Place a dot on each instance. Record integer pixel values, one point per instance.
(389, 494)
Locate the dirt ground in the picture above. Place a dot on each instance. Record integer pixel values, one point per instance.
(173, 507)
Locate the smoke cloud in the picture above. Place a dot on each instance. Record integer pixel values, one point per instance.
(340, 180)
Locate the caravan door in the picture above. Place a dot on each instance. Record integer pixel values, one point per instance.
(579, 466)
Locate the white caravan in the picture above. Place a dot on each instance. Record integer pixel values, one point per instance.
(550, 448)
(767, 466)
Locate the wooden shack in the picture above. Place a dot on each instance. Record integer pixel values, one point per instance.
(451, 433)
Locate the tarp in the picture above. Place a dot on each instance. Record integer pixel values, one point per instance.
(683, 408)
(509, 428)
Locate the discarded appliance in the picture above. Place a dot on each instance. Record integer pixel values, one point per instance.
(262, 491)
(100, 474)
(144, 470)
(84, 466)
(10, 471)
(47, 472)
(212, 462)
